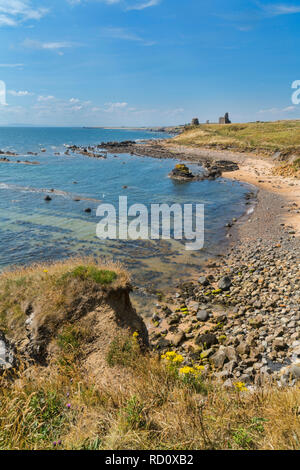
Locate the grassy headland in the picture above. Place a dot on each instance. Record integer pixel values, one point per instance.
(259, 137)
(280, 139)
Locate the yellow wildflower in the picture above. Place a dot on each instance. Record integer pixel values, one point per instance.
(171, 354)
(186, 370)
(199, 367)
(135, 334)
(178, 359)
(241, 386)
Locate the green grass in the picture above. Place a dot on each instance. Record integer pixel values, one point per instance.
(69, 339)
(100, 276)
(122, 351)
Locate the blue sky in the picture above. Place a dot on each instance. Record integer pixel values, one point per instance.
(148, 62)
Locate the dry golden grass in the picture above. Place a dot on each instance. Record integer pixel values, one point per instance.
(156, 410)
(289, 169)
(257, 137)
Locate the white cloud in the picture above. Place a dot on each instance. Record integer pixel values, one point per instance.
(11, 65)
(126, 4)
(275, 9)
(112, 107)
(46, 98)
(7, 21)
(120, 33)
(20, 93)
(287, 109)
(143, 5)
(14, 12)
(56, 46)
(124, 35)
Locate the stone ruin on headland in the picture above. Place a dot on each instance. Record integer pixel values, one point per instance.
(222, 120)
(225, 119)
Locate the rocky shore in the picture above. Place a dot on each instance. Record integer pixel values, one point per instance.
(241, 319)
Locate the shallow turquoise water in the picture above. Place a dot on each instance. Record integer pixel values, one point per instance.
(34, 230)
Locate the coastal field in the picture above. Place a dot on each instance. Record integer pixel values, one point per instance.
(258, 137)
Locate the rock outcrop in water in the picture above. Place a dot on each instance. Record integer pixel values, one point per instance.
(181, 173)
(25, 162)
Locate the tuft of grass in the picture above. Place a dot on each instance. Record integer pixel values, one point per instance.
(123, 351)
(84, 273)
(133, 414)
(69, 339)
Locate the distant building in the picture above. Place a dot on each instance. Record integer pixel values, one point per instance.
(195, 122)
(225, 119)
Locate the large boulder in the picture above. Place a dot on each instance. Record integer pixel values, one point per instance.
(225, 283)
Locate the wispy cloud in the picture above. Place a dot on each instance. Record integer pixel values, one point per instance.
(14, 12)
(244, 19)
(124, 35)
(45, 98)
(126, 4)
(112, 107)
(56, 46)
(11, 66)
(143, 5)
(120, 33)
(287, 109)
(277, 9)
